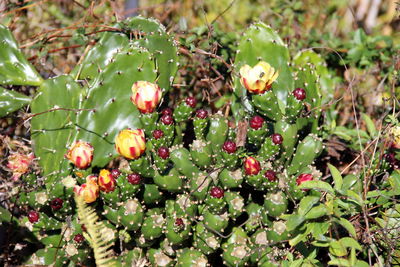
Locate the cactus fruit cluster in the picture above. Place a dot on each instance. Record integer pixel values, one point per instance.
(106, 134)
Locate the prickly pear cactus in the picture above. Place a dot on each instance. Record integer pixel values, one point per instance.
(182, 185)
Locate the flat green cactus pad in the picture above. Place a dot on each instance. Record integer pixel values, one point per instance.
(107, 106)
(261, 43)
(11, 101)
(14, 68)
(53, 126)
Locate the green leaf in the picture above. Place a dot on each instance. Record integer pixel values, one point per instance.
(337, 177)
(319, 229)
(370, 125)
(299, 238)
(317, 185)
(293, 221)
(307, 203)
(336, 248)
(347, 225)
(349, 242)
(354, 196)
(11, 101)
(340, 262)
(317, 212)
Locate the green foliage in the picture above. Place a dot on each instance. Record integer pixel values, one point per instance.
(11, 101)
(14, 68)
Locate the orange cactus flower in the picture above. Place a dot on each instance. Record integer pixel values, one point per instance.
(146, 96)
(80, 154)
(130, 143)
(258, 79)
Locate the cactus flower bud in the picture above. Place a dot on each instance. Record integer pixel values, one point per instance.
(56, 203)
(303, 178)
(146, 96)
(256, 122)
(163, 152)
(106, 181)
(19, 164)
(115, 173)
(277, 139)
(191, 102)
(299, 94)
(252, 166)
(80, 154)
(134, 178)
(130, 143)
(258, 79)
(78, 238)
(167, 119)
(167, 111)
(201, 113)
(89, 190)
(270, 175)
(157, 134)
(217, 192)
(229, 147)
(33, 216)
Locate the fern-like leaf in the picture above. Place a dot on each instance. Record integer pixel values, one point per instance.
(97, 234)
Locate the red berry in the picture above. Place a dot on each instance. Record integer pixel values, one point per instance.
(179, 222)
(166, 111)
(134, 178)
(163, 152)
(33, 216)
(277, 139)
(191, 102)
(303, 178)
(299, 94)
(79, 238)
(256, 122)
(157, 134)
(56, 203)
(167, 119)
(252, 166)
(115, 173)
(229, 147)
(201, 113)
(270, 175)
(217, 192)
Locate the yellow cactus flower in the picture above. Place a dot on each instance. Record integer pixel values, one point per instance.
(258, 79)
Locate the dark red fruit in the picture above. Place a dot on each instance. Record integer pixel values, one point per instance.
(217, 192)
(277, 139)
(163, 152)
(179, 222)
(256, 122)
(157, 134)
(167, 119)
(56, 203)
(115, 173)
(229, 147)
(201, 113)
(166, 111)
(299, 94)
(134, 178)
(83, 227)
(270, 175)
(191, 102)
(78, 238)
(33, 216)
(303, 178)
